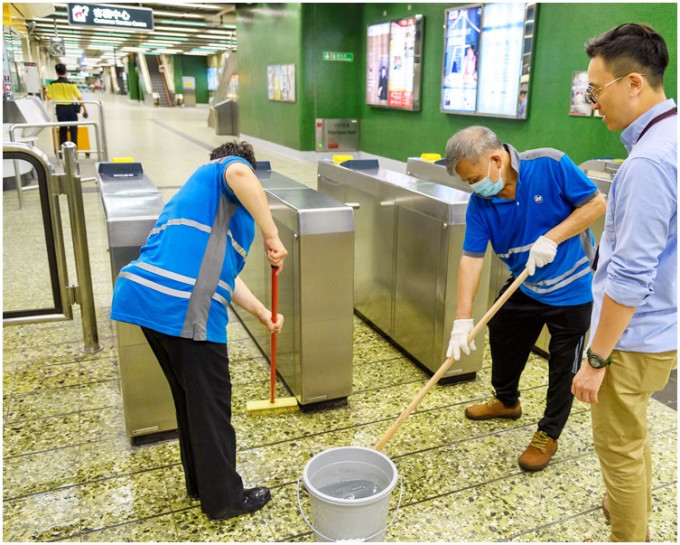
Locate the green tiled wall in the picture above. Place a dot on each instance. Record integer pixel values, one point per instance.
(299, 33)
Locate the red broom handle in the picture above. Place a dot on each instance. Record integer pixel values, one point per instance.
(275, 310)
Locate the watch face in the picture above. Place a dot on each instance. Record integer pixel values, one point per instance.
(596, 362)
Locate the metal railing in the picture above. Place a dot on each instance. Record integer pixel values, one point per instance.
(68, 184)
(100, 117)
(102, 152)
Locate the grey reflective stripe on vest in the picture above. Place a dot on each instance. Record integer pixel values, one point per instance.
(559, 282)
(237, 246)
(517, 250)
(195, 323)
(166, 273)
(154, 285)
(225, 286)
(181, 221)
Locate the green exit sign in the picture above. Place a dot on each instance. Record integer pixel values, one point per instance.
(338, 56)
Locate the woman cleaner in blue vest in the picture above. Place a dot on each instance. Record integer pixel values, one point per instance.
(178, 291)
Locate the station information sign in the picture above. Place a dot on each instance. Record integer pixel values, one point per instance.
(102, 15)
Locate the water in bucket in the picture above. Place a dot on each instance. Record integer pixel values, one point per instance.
(351, 490)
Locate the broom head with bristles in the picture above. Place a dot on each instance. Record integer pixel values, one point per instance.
(281, 405)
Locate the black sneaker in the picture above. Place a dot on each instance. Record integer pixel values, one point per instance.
(253, 499)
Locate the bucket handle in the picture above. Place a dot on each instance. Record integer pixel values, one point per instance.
(396, 511)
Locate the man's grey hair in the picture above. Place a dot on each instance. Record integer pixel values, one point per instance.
(472, 143)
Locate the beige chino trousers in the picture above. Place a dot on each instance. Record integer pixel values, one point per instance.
(621, 440)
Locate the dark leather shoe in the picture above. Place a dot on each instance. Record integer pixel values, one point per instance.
(253, 499)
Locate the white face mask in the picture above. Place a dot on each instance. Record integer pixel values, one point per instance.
(487, 188)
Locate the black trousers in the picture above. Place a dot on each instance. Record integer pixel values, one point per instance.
(198, 375)
(67, 112)
(513, 332)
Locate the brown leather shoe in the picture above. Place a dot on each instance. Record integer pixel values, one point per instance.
(605, 510)
(538, 453)
(493, 408)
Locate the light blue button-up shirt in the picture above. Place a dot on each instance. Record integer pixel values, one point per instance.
(638, 251)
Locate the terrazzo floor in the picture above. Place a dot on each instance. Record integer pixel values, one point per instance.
(70, 474)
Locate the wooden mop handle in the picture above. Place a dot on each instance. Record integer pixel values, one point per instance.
(449, 361)
(275, 310)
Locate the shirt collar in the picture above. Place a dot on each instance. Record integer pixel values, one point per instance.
(631, 133)
(514, 163)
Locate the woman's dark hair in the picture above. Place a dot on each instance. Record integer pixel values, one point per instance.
(632, 47)
(235, 149)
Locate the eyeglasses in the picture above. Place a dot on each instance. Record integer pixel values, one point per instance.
(592, 94)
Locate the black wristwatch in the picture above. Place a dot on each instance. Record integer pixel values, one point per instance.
(597, 362)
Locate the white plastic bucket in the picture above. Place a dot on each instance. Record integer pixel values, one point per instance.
(340, 519)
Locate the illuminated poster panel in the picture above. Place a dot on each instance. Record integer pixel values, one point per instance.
(377, 64)
(394, 63)
(459, 87)
(487, 59)
(402, 63)
(501, 66)
(281, 82)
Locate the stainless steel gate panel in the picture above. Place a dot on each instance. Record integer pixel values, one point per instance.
(409, 237)
(314, 355)
(131, 206)
(436, 172)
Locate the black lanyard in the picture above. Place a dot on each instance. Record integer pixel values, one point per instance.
(669, 113)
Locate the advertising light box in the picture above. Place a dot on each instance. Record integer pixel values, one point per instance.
(487, 59)
(393, 63)
(377, 57)
(459, 81)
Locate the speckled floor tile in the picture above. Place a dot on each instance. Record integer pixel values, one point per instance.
(30, 377)
(385, 373)
(283, 515)
(374, 351)
(245, 348)
(39, 472)
(8, 377)
(50, 516)
(106, 459)
(25, 437)
(167, 452)
(274, 465)
(236, 331)
(193, 525)
(59, 352)
(124, 499)
(248, 369)
(358, 436)
(50, 402)
(154, 529)
(177, 491)
(101, 424)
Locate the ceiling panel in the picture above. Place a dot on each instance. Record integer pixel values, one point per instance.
(188, 28)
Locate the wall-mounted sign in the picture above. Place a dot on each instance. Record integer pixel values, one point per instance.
(101, 15)
(338, 56)
(281, 82)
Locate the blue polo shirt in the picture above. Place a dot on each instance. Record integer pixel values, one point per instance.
(549, 187)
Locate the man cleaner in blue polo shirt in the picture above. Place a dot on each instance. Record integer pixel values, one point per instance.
(535, 208)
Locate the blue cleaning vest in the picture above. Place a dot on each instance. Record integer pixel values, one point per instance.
(182, 283)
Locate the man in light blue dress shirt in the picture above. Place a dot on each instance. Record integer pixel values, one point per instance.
(633, 347)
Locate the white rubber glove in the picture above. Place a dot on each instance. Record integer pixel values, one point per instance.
(542, 252)
(459, 335)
